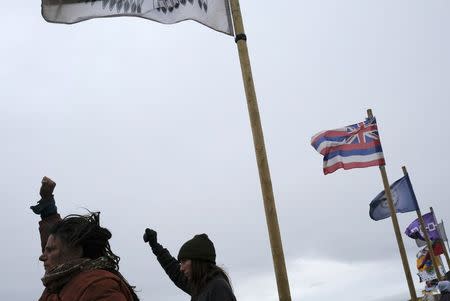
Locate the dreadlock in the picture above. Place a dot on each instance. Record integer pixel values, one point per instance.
(85, 231)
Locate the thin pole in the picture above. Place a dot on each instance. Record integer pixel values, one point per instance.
(445, 235)
(261, 156)
(445, 247)
(447, 258)
(440, 240)
(426, 236)
(401, 247)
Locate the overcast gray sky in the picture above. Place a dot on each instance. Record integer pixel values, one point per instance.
(148, 123)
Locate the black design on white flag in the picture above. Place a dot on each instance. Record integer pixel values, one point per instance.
(215, 14)
(170, 5)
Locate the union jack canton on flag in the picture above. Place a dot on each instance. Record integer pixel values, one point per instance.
(354, 146)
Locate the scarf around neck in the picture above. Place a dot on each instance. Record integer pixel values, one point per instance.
(55, 279)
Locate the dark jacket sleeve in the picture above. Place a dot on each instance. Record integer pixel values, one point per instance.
(172, 267)
(44, 227)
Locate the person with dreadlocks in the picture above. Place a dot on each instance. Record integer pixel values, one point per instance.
(195, 271)
(78, 261)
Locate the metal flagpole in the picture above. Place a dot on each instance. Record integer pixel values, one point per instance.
(401, 246)
(261, 156)
(426, 236)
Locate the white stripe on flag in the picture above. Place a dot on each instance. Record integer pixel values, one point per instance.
(329, 143)
(351, 159)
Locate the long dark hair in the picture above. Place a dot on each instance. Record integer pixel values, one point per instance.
(85, 231)
(202, 272)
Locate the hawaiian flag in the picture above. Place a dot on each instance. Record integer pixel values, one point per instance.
(354, 146)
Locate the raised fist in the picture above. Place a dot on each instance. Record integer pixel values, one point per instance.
(46, 205)
(150, 236)
(47, 187)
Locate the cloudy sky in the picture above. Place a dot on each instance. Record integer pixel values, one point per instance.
(148, 123)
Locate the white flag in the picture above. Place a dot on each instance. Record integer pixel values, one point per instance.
(215, 14)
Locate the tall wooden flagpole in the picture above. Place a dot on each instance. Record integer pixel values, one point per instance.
(401, 246)
(261, 156)
(426, 236)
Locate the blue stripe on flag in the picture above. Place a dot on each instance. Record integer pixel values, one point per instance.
(322, 139)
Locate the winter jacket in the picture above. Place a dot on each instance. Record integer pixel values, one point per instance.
(92, 285)
(217, 289)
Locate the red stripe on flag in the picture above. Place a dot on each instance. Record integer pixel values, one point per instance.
(347, 147)
(343, 133)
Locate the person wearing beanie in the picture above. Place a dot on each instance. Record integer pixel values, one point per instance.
(195, 271)
(78, 261)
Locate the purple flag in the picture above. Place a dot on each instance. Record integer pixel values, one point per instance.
(415, 232)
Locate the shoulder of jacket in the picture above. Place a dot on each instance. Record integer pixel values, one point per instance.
(46, 296)
(220, 289)
(219, 279)
(96, 274)
(84, 280)
(218, 283)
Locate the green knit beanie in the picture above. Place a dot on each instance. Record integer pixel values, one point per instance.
(200, 247)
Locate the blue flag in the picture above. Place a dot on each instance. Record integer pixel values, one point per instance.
(402, 195)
